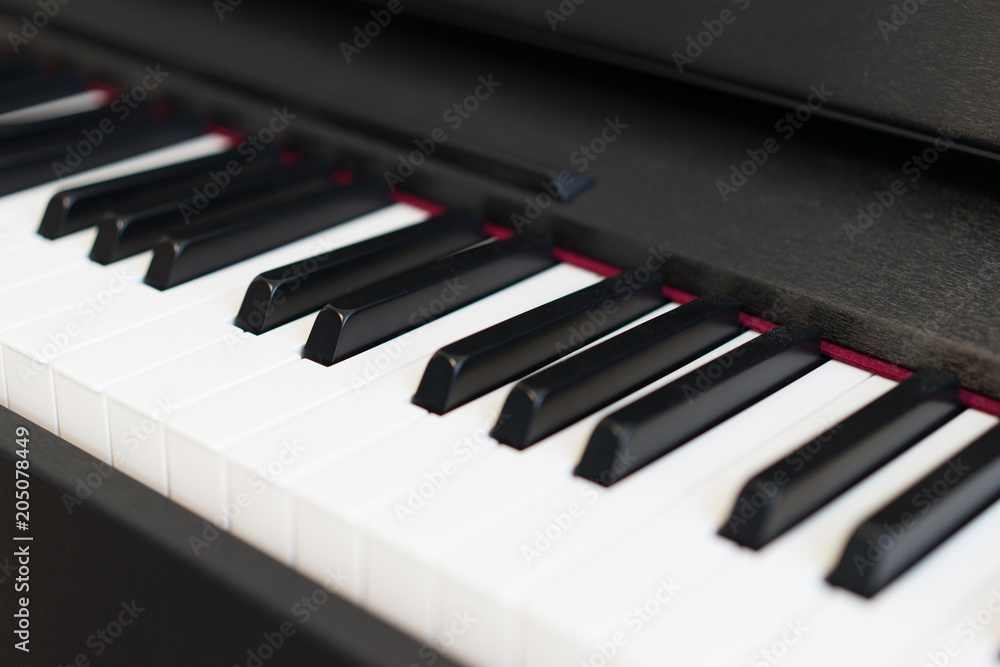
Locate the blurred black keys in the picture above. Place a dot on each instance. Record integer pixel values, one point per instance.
(72, 210)
(96, 148)
(25, 92)
(289, 292)
(381, 311)
(779, 497)
(21, 68)
(134, 228)
(468, 368)
(203, 247)
(556, 397)
(893, 539)
(660, 422)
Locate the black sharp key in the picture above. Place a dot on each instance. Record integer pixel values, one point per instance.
(255, 192)
(784, 494)
(122, 143)
(660, 422)
(289, 292)
(556, 397)
(381, 311)
(72, 210)
(28, 143)
(28, 92)
(201, 248)
(468, 368)
(893, 539)
(19, 69)
(19, 136)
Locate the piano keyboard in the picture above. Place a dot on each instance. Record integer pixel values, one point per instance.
(517, 460)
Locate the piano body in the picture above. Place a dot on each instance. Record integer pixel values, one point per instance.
(817, 173)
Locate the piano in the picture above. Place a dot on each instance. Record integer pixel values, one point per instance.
(465, 334)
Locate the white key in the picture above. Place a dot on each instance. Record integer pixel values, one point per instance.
(23, 210)
(494, 577)
(914, 606)
(784, 583)
(81, 379)
(398, 471)
(402, 582)
(570, 619)
(331, 505)
(138, 405)
(138, 304)
(216, 426)
(969, 639)
(88, 100)
(56, 294)
(41, 257)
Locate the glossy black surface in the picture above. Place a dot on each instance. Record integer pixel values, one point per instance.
(658, 423)
(492, 357)
(201, 248)
(897, 536)
(785, 493)
(289, 292)
(554, 398)
(75, 209)
(373, 314)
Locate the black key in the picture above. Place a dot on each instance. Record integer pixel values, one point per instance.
(22, 93)
(201, 248)
(784, 494)
(381, 311)
(256, 191)
(556, 397)
(664, 420)
(893, 539)
(72, 210)
(86, 154)
(468, 368)
(19, 69)
(16, 137)
(44, 141)
(289, 292)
